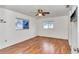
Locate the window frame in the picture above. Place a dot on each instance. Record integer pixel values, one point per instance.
(48, 23)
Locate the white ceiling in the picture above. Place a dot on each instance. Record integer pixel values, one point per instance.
(30, 10)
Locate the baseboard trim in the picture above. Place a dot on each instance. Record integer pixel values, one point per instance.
(52, 37)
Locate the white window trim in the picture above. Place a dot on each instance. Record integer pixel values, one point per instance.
(48, 24)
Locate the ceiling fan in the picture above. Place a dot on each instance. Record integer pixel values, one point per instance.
(40, 12)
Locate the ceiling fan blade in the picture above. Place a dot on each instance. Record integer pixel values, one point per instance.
(46, 12)
(43, 14)
(36, 15)
(40, 10)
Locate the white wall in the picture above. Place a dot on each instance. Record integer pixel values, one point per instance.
(78, 26)
(60, 29)
(8, 30)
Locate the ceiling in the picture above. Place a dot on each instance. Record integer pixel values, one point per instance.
(30, 10)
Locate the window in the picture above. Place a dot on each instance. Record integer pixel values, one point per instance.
(22, 23)
(48, 25)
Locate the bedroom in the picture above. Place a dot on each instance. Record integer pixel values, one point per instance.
(48, 33)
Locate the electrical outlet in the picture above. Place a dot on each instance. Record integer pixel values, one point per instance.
(5, 40)
(76, 49)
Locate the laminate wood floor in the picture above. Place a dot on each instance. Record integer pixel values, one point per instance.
(39, 45)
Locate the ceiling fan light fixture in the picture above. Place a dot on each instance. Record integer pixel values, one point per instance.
(40, 14)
